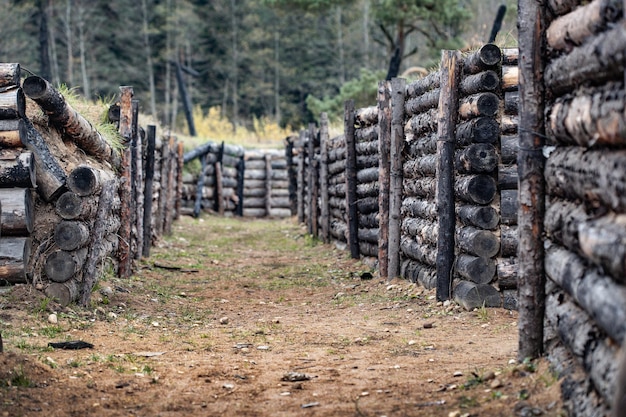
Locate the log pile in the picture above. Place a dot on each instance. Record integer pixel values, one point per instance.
(585, 213)
(337, 212)
(420, 227)
(18, 170)
(265, 184)
(476, 162)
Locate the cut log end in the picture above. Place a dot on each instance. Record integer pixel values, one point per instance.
(35, 87)
(84, 181)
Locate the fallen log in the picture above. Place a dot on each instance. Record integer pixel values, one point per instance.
(479, 83)
(209, 147)
(51, 178)
(477, 158)
(488, 56)
(367, 148)
(61, 266)
(366, 205)
(483, 217)
(574, 28)
(477, 105)
(599, 60)
(367, 175)
(17, 169)
(17, 217)
(474, 268)
(477, 130)
(14, 259)
(68, 121)
(370, 236)
(475, 189)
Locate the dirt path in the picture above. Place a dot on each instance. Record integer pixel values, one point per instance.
(226, 312)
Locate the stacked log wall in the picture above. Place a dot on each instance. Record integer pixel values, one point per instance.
(585, 207)
(266, 184)
(337, 213)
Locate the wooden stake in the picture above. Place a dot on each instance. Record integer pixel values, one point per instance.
(323, 179)
(147, 202)
(448, 108)
(530, 160)
(384, 145)
(351, 196)
(398, 91)
(124, 248)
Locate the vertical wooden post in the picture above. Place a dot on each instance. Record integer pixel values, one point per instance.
(219, 189)
(309, 176)
(300, 177)
(530, 163)
(165, 160)
(447, 118)
(125, 129)
(199, 186)
(384, 145)
(398, 91)
(268, 184)
(241, 168)
(351, 196)
(138, 180)
(323, 180)
(293, 177)
(171, 186)
(147, 202)
(179, 179)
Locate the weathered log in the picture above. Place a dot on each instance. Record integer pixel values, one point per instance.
(562, 220)
(368, 221)
(365, 135)
(509, 146)
(603, 241)
(507, 273)
(11, 133)
(425, 187)
(424, 230)
(384, 179)
(51, 178)
(592, 175)
(366, 161)
(17, 217)
(369, 189)
(509, 207)
(367, 205)
(368, 250)
(280, 212)
(477, 130)
(311, 183)
(14, 259)
(470, 295)
(421, 166)
(488, 56)
(171, 187)
(63, 292)
(509, 241)
(368, 148)
(366, 116)
(279, 202)
(337, 167)
(419, 273)
(17, 169)
(416, 207)
(254, 202)
(480, 83)
(71, 206)
(511, 102)
(85, 180)
(420, 124)
(510, 56)
(9, 75)
(574, 28)
(255, 174)
(338, 190)
(509, 124)
(510, 78)
(300, 172)
(253, 211)
(475, 189)
(148, 190)
(475, 269)
(219, 190)
(420, 104)
(483, 217)
(12, 103)
(367, 175)
(477, 105)
(421, 86)
(596, 293)
(351, 170)
(599, 60)
(159, 224)
(482, 243)
(61, 266)
(71, 235)
(507, 177)
(68, 121)
(589, 119)
(416, 251)
(337, 154)
(477, 158)
(425, 145)
(209, 147)
(369, 235)
(586, 342)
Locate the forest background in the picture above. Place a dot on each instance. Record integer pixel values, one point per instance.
(256, 68)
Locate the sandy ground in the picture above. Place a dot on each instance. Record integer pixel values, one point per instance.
(254, 318)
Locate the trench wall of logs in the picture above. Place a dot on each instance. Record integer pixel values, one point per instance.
(585, 201)
(235, 181)
(377, 190)
(73, 208)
